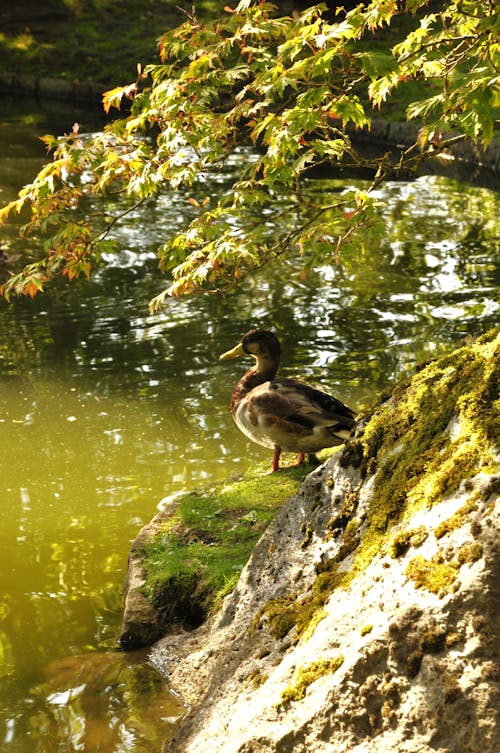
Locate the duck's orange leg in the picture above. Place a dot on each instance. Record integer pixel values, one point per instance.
(276, 460)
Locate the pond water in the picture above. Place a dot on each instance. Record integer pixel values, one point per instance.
(106, 411)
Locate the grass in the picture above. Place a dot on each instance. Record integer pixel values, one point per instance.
(196, 558)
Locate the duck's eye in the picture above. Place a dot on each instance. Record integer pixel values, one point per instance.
(252, 348)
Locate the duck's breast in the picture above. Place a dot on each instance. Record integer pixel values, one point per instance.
(252, 417)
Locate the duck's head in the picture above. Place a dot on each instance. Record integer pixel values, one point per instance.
(262, 345)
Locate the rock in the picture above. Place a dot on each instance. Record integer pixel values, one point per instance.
(142, 623)
(140, 626)
(367, 617)
(180, 564)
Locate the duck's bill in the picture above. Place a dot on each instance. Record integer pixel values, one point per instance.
(234, 353)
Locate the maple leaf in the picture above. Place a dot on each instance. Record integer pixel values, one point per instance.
(31, 289)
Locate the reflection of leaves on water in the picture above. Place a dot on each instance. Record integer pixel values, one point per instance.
(102, 702)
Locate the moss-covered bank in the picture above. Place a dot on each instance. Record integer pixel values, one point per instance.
(191, 554)
(206, 540)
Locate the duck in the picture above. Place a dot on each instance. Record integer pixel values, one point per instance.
(285, 415)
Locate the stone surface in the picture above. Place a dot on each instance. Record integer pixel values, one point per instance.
(420, 672)
(141, 623)
(415, 630)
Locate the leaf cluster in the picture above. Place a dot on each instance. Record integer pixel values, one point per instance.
(283, 95)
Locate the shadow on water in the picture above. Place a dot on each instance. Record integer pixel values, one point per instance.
(105, 411)
(98, 701)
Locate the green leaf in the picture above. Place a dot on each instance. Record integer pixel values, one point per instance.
(377, 64)
(425, 107)
(349, 109)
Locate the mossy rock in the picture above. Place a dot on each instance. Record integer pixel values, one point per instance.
(436, 430)
(198, 547)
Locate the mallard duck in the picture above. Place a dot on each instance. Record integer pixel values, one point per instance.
(283, 414)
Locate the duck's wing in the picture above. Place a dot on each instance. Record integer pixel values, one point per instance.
(290, 415)
(311, 407)
(299, 403)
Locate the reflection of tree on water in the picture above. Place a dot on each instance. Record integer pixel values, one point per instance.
(102, 702)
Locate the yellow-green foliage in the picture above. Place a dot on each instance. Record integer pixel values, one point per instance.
(456, 520)
(366, 629)
(305, 676)
(469, 553)
(438, 576)
(403, 540)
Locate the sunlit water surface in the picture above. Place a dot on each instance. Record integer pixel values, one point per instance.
(105, 411)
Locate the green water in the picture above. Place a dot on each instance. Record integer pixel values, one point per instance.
(105, 412)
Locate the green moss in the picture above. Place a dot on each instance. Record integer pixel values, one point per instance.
(352, 455)
(308, 534)
(196, 558)
(305, 676)
(281, 616)
(352, 527)
(456, 520)
(434, 575)
(341, 520)
(403, 540)
(433, 640)
(255, 679)
(452, 639)
(469, 553)
(291, 612)
(418, 464)
(228, 586)
(366, 629)
(350, 540)
(389, 690)
(452, 691)
(413, 663)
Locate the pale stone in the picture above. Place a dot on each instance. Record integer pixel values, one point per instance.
(372, 703)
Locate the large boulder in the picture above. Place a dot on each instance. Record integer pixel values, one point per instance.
(366, 620)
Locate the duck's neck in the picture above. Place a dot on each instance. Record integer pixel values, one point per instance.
(264, 371)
